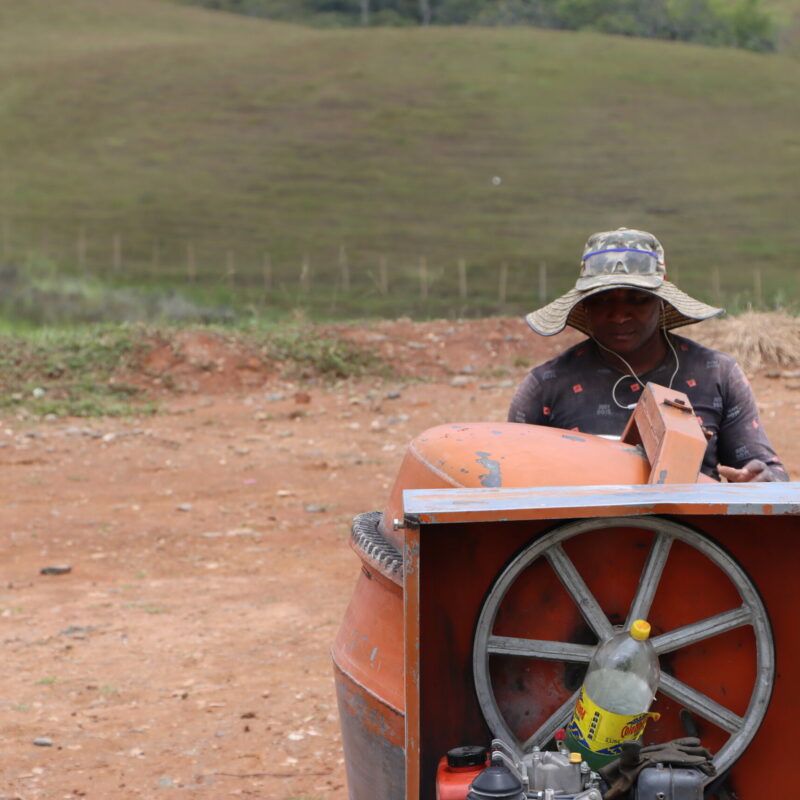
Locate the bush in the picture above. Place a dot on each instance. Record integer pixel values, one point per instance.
(389, 18)
(752, 28)
(747, 25)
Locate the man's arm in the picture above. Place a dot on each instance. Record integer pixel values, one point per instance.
(743, 445)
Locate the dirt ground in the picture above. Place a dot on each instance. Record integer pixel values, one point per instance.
(186, 652)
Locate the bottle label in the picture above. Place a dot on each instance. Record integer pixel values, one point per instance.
(603, 732)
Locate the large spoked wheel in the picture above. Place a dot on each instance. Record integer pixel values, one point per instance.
(658, 583)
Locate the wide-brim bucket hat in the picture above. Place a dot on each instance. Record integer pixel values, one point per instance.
(620, 259)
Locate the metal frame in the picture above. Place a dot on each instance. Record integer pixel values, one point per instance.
(751, 612)
(428, 510)
(432, 506)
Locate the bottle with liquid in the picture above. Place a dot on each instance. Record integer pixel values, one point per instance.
(617, 692)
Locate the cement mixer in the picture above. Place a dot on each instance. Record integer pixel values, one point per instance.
(507, 553)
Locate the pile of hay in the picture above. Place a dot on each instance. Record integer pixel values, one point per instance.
(755, 339)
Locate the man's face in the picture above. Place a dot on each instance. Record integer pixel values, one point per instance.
(624, 320)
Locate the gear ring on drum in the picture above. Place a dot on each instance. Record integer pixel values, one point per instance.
(752, 612)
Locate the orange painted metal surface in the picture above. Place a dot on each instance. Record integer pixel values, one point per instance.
(361, 649)
(373, 741)
(368, 670)
(403, 654)
(372, 680)
(507, 454)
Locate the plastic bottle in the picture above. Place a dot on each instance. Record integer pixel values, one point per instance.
(614, 701)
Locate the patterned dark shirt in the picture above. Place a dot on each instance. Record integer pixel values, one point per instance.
(574, 391)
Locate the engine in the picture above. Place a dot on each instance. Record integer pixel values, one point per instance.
(477, 773)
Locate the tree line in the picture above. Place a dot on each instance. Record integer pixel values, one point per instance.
(741, 23)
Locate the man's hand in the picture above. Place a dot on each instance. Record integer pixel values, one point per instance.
(754, 470)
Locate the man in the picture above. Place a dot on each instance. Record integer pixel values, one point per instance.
(624, 304)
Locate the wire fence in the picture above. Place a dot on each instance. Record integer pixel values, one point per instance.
(340, 283)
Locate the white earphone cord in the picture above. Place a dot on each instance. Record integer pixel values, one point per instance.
(633, 374)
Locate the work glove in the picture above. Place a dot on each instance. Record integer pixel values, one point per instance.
(685, 752)
(621, 774)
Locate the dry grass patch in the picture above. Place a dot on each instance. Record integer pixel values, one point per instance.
(754, 339)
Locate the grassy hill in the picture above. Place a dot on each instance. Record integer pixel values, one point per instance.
(142, 141)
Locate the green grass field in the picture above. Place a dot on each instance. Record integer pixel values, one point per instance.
(143, 140)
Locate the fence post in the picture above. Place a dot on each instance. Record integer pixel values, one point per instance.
(155, 266)
(542, 282)
(334, 299)
(344, 269)
(501, 290)
(230, 267)
(462, 279)
(266, 270)
(758, 297)
(305, 275)
(716, 290)
(117, 261)
(423, 279)
(81, 248)
(383, 276)
(191, 266)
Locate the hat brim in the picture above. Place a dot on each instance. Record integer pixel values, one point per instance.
(680, 308)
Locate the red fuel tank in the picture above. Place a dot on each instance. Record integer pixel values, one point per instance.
(457, 770)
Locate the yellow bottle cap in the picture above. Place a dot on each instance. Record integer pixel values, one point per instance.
(640, 630)
(575, 758)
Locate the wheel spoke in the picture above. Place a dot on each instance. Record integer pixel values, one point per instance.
(700, 704)
(558, 719)
(579, 592)
(541, 648)
(704, 629)
(651, 575)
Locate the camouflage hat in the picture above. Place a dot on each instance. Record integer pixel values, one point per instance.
(620, 259)
(633, 257)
